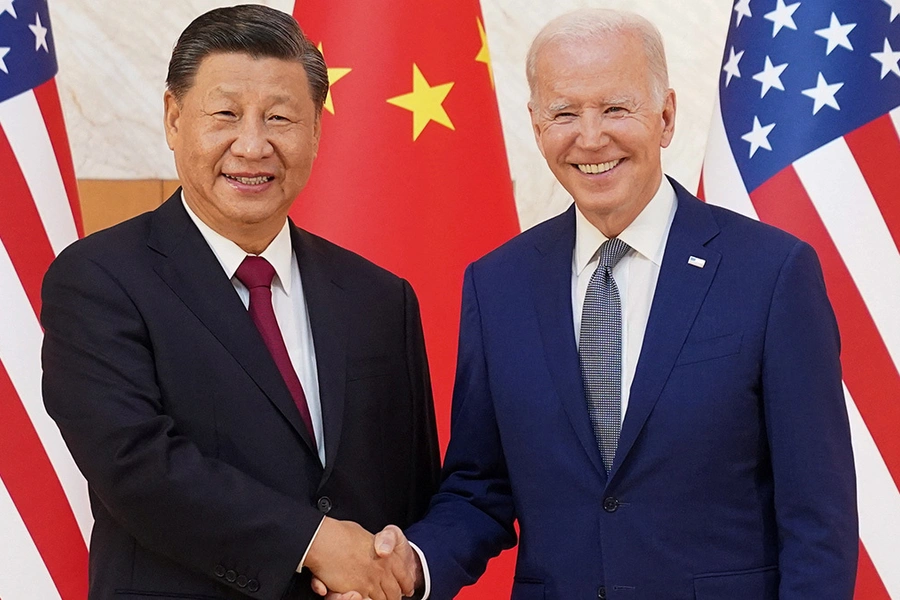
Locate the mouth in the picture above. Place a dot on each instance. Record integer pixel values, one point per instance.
(255, 180)
(597, 168)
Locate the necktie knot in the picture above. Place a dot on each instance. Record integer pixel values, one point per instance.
(254, 272)
(612, 251)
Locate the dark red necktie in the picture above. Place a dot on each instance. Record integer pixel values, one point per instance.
(256, 273)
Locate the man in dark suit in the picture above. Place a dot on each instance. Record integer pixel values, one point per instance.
(649, 385)
(238, 392)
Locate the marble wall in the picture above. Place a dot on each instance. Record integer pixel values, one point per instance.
(113, 56)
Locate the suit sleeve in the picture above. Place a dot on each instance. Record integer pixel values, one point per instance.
(100, 386)
(426, 451)
(471, 517)
(809, 436)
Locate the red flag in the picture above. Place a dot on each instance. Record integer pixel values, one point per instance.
(44, 512)
(412, 171)
(805, 136)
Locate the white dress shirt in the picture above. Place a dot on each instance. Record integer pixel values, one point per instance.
(288, 302)
(635, 274)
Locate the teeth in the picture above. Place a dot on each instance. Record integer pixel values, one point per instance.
(250, 180)
(598, 168)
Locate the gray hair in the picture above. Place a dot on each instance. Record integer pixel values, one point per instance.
(259, 31)
(591, 24)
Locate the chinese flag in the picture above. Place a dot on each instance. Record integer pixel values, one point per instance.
(412, 171)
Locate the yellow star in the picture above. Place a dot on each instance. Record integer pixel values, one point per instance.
(484, 55)
(334, 74)
(425, 102)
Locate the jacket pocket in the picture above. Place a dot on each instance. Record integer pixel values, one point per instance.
(527, 589)
(717, 347)
(372, 366)
(752, 584)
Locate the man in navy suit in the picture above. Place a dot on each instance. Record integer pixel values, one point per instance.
(722, 467)
(245, 399)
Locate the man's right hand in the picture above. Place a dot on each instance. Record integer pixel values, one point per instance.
(389, 544)
(347, 558)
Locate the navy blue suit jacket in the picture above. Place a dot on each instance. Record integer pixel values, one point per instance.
(734, 475)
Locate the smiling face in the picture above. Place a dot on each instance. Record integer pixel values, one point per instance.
(244, 137)
(600, 127)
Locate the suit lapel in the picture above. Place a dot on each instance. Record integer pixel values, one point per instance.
(325, 302)
(191, 270)
(680, 291)
(552, 286)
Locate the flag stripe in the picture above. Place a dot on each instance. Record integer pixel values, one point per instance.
(21, 229)
(24, 575)
(39, 497)
(876, 149)
(868, 583)
(20, 351)
(879, 503)
(830, 176)
(47, 98)
(23, 123)
(895, 118)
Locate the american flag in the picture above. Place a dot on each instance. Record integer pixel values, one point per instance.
(805, 136)
(44, 513)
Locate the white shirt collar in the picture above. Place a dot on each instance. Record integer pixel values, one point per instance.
(279, 253)
(647, 234)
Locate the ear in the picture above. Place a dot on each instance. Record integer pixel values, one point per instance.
(317, 134)
(171, 114)
(535, 126)
(668, 119)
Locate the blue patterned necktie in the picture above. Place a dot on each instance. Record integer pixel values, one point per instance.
(600, 350)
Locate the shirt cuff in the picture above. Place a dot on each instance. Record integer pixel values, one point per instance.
(426, 575)
(313, 539)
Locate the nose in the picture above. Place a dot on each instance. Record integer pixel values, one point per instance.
(592, 132)
(252, 140)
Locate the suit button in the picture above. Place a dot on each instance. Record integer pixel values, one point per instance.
(610, 504)
(601, 593)
(241, 581)
(324, 504)
(219, 571)
(230, 576)
(253, 585)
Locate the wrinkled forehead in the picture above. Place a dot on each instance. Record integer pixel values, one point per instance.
(614, 70)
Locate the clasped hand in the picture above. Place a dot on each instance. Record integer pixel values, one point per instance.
(349, 563)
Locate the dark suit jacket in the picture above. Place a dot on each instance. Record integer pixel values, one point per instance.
(203, 481)
(733, 478)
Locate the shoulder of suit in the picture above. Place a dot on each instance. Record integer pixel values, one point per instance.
(735, 225)
(522, 245)
(116, 240)
(342, 258)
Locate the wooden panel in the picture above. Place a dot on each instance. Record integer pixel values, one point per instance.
(105, 203)
(169, 187)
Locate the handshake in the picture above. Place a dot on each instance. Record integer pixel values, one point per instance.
(349, 563)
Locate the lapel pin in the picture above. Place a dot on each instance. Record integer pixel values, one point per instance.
(697, 262)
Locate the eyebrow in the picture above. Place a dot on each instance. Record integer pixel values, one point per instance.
(619, 101)
(558, 106)
(231, 94)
